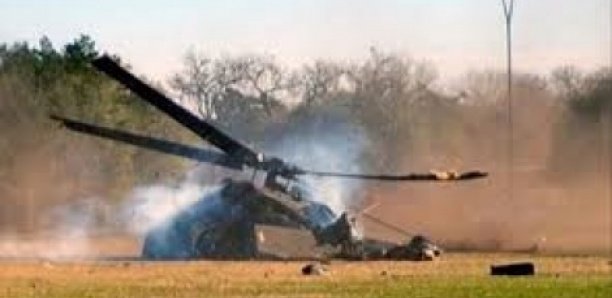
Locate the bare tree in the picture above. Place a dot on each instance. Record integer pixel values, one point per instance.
(259, 77)
(320, 81)
(567, 81)
(389, 82)
(198, 83)
(386, 89)
(208, 83)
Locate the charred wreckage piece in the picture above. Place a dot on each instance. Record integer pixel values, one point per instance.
(275, 220)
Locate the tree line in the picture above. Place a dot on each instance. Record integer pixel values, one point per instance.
(412, 121)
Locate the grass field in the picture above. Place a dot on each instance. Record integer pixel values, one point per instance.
(455, 275)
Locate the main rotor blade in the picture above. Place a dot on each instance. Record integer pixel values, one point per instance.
(159, 145)
(200, 127)
(433, 176)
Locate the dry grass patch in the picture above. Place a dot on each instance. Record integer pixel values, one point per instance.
(455, 275)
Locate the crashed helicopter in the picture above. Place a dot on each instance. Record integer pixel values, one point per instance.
(270, 219)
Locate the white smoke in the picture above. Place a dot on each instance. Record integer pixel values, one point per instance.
(148, 207)
(335, 146)
(69, 229)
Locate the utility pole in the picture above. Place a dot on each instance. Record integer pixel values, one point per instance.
(508, 10)
(606, 139)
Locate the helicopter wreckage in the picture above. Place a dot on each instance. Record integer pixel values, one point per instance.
(273, 220)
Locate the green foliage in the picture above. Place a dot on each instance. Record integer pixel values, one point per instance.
(38, 81)
(581, 134)
(594, 97)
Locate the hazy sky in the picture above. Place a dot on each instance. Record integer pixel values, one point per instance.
(456, 35)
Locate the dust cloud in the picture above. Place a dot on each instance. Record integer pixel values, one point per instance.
(560, 195)
(560, 184)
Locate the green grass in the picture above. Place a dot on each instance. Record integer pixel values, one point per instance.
(577, 286)
(455, 276)
(452, 287)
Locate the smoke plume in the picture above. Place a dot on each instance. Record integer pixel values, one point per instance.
(334, 145)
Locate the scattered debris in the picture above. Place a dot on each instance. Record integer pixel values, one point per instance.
(513, 269)
(314, 269)
(418, 249)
